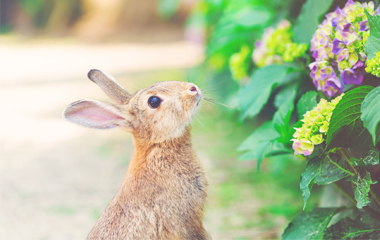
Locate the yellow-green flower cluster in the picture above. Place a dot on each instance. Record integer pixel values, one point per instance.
(294, 51)
(239, 64)
(314, 128)
(373, 65)
(276, 46)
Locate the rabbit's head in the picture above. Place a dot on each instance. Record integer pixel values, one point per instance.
(154, 114)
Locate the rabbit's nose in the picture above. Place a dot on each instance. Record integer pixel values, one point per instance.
(194, 89)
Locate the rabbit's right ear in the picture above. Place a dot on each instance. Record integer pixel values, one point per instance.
(109, 85)
(96, 114)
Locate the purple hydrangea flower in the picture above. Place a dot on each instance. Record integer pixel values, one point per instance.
(338, 48)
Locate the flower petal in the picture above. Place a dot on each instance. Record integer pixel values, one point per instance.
(363, 26)
(349, 38)
(349, 76)
(337, 46)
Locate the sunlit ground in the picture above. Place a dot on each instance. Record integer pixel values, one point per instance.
(56, 177)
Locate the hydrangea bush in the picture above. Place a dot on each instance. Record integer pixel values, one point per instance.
(337, 134)
(316, 82)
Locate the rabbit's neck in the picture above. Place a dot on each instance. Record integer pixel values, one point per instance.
(175, 151)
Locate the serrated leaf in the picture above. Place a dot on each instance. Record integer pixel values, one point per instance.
(306, 103)
(371, 113)
(363, 186)
(309, 19)
(365, 227)
(310, 225)
(333, 168)
(313, 169)
(373, 42)
(322, 170)
(346, 128)
(255, 95)
(370, 158)
(372, 47)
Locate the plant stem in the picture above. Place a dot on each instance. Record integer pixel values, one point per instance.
(342, 191)
(346, 156)
(344, 170)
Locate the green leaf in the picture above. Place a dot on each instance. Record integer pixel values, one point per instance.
(277, 148)
(371, 113)
(284, 94)
(309, 19)
(373, 42)
(310, 225)
(253, 17)
(255, 95)
(313, 169)
(262, 143)
(306, 103)
(346, 128)
(289, 135)
(371, 158)
(322, 170)
(333, 168)
(365, 227)
(265, 149)
(264, 133)
(167, 8)
(282, 116)
(363, 186)
(372, 47)
(259, 143)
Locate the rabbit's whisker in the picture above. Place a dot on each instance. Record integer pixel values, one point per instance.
(215, 102)
(199, 121)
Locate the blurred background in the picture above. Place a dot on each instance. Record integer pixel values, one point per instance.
(56, 178)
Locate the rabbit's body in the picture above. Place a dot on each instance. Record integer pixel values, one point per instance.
(164, 190)
(161, 197)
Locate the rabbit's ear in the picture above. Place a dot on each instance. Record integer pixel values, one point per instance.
(95, 114)
(109, 85)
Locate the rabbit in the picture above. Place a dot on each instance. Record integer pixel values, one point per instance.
(164, 190)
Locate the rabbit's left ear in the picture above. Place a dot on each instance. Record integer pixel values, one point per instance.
(96, 114)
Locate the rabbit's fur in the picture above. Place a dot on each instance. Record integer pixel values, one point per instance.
(164, 190)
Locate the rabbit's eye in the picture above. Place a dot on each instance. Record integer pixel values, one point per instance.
(154, 102)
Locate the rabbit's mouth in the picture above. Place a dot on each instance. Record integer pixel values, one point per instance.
(196, 105)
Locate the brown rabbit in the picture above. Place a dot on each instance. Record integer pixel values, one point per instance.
(164, 190)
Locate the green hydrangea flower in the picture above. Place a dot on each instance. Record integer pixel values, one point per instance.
(276, 46)
(314, 128)
(239, 63)
(373, 65)
(293, 51)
